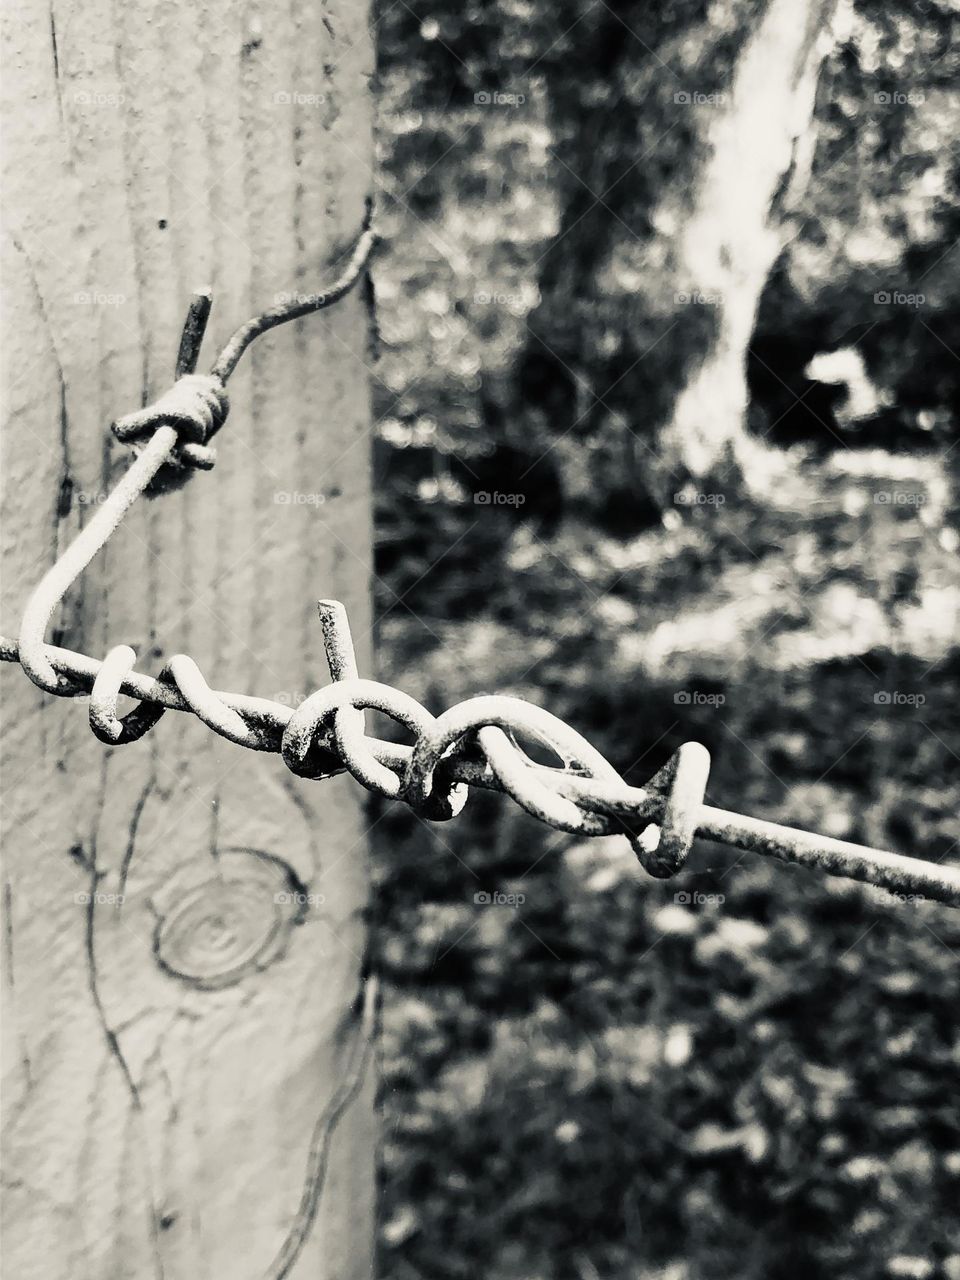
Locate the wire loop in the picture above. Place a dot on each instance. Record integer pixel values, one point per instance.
(683, 781)
(487, 717)
(326, 717)
(104, 722)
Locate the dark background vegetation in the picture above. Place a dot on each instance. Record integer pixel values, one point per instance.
(605, 1083)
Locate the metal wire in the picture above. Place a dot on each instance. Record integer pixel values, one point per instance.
(604, 805)
(473, 744)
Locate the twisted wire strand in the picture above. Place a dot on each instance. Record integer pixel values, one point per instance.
(672, 799)
(304, 305)
(471, 744)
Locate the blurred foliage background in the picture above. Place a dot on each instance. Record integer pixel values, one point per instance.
(749, 1070)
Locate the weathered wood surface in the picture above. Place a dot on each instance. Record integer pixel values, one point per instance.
(167, 1059)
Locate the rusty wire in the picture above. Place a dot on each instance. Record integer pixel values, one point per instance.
(474, 743)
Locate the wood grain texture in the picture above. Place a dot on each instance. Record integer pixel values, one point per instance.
(166, 1060)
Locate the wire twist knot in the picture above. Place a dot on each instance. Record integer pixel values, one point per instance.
(473, 742)
(196, 407)
(478, 737)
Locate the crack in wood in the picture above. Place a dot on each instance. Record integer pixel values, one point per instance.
(56, 65)
(318, 1157)
(131, 840)
(116, 1054)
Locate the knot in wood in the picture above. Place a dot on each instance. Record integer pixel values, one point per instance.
(217, 927)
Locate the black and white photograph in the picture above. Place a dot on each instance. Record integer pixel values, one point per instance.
(480, 655)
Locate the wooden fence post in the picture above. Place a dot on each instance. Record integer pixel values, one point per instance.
(184, 933)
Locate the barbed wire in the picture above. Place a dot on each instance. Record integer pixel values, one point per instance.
(476, 743)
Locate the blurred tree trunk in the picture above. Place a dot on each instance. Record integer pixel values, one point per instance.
(649, 293)
(184, 939)
(760, 150)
